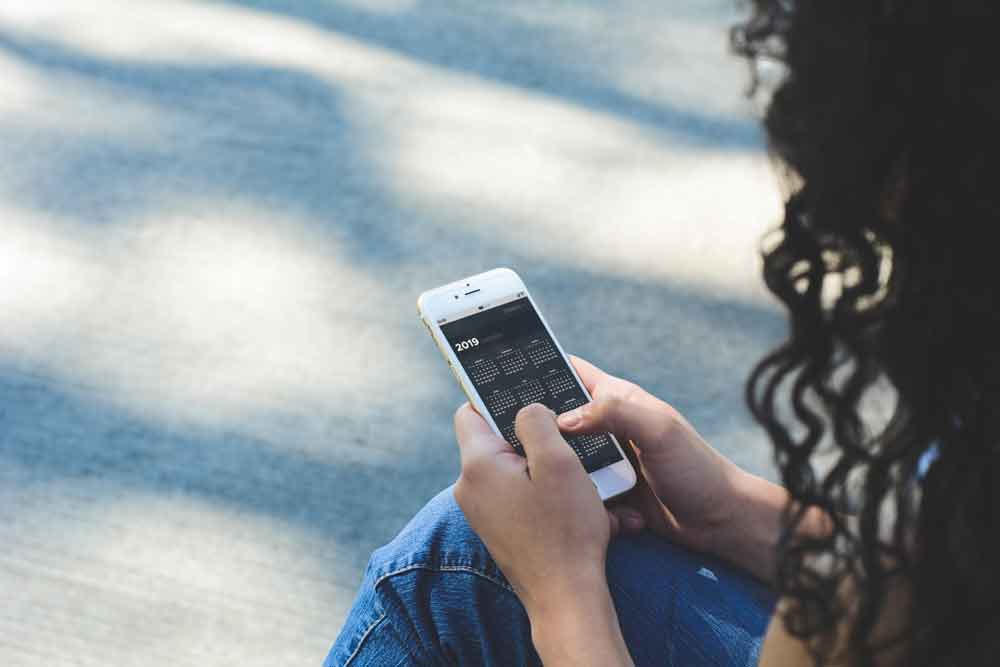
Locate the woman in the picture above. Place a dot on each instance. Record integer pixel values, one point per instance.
(880, 554)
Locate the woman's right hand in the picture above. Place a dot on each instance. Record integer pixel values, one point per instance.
(686, 490)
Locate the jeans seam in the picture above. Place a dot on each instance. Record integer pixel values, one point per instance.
(445, 568)
(364, 636)
(428, 568)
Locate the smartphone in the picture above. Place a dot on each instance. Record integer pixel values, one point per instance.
(504, 356)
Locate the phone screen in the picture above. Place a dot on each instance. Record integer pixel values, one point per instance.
(512, 361)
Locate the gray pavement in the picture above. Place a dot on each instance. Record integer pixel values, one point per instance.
(215, 217)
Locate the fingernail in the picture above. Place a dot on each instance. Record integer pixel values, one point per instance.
(569, 419)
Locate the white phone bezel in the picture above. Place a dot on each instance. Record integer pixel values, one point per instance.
(486, 290)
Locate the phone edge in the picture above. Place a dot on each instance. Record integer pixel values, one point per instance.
(472, 395)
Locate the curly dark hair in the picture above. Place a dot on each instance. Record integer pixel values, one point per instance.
(885, 117)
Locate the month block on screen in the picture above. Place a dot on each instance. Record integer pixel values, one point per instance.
(567, 405)
(541, 351)
(530, 391)
(589, 445)
(560, 383)
(483, 371)
(512, 361)
(501, 401)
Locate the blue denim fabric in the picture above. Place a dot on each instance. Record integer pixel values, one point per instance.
(433, 596)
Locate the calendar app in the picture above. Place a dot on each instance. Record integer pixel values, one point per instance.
(512, 361)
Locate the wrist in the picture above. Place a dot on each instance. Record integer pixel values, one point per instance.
(577, 583)
(580, 628)
(747, 534)
(720, 523)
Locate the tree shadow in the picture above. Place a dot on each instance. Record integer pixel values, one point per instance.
(679, 342)
(283, 142)
(497, 46)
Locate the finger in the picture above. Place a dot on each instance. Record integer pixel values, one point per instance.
(627, 520)
(590, 374)
(628, 420)
(604, 385)
(476, 440)
(658, 518)
(544, 446)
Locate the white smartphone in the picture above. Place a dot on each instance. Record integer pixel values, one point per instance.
(504, 356)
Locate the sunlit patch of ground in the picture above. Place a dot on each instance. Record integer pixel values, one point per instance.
(215, 217)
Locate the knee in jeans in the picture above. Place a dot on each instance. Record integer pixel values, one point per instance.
(438, 536)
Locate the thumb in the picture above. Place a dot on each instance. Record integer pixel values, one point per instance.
(628, 420)
(544, 446)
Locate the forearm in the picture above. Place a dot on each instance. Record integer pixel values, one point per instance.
(750, 537)
(580, 632)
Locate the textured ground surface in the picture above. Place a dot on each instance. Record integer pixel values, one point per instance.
(215, 396)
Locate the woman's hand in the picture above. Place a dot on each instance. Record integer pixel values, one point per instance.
(686, 491)
(544, 523)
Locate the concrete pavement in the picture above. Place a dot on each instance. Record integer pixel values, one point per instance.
(215, 217)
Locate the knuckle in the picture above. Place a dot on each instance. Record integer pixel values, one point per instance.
(620, 387)
(473, 471)
(562, 459)
(605, 410)
(666, 426)
(630, 391)
(613, 404)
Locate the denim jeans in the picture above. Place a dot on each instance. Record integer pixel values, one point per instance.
(433, 596)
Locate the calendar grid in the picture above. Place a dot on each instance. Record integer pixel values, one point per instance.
(530, 392)
(501, 401)
(483, 371)
(541, 351)
(589, 445)
(559, 383)
(512, 362)
(568, 405)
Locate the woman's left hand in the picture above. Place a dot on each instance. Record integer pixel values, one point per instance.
(540, 516)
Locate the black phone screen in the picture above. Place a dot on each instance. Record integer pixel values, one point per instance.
(512, 361)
